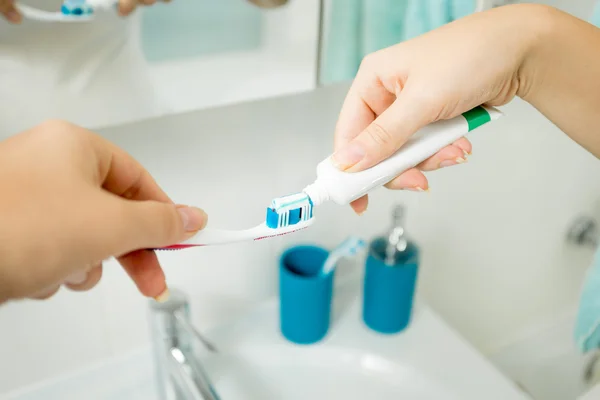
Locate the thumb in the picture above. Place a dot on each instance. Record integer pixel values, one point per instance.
(386, 134)
(153, 224)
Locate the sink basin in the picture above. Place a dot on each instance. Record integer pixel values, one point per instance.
(285, 372)
(427, 361)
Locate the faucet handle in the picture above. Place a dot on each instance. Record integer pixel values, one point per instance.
(189, 328)
(172, 318)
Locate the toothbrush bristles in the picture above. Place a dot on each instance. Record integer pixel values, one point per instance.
(289, 210)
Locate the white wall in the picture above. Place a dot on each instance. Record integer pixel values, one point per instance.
(492, 231)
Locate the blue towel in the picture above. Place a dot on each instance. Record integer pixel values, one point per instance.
(595, 19)
(587, 326)
(359, 27)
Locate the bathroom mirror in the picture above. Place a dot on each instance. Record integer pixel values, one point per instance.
(351, 29)
(206, 53)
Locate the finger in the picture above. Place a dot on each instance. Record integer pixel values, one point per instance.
(360, 205)
(121, 174)
(124, 225)
(144, 269)
(386, 133)
(465, 145)
(448, 156)
(46, 293)
(413, 179)
(366, 99)
(126, 7)
(90, 279)
(147, 2)
(10, 12)
(151, 220)
(152, 224)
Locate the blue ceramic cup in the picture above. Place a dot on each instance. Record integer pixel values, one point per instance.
(305, 294)
(389, 290)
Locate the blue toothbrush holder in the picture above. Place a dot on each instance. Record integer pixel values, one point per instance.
(305, 294)
(389, 290)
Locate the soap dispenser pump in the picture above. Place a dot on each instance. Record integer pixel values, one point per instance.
(390, 278)
(397, 242)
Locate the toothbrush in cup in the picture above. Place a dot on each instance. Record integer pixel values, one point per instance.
(348, 248)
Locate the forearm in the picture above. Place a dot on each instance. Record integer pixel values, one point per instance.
(561, 75)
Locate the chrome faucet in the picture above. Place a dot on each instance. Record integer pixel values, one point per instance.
(179, 372)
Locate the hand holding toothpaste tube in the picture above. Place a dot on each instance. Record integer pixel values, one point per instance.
(536, 52)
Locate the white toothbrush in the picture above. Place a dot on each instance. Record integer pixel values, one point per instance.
(209, 237)
(291, 213)
(347, 248)
(70, 11)
(285, 215)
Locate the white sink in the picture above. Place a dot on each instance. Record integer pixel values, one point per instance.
(282, 372)
(427, 361)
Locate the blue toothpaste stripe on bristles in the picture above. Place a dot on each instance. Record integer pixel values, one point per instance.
(272, 218)
(292, 215)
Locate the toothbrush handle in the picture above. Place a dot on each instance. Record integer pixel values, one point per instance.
(345, 187)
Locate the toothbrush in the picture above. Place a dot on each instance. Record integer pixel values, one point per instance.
(347, 248)
(70, 11)
(285, 215)
(294, 212)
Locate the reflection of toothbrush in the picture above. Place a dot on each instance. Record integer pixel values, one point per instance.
(291, 213)
(70, 11)
(286, 214)
(347, 248)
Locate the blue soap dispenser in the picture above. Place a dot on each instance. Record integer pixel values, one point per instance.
(390, 278)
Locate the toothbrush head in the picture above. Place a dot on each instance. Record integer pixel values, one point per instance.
(348, 248)
(76, 8)
(351, 246)
(70, 10)
(289, 210)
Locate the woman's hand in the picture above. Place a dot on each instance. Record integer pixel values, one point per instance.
(69, 200)
(473, 61)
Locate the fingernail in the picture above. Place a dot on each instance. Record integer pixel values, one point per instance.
(447, 163)
(77, 278)
(348, 156)
(164, 296)
(466, 153)
(193, 218)
(418, 189)
(13, 16)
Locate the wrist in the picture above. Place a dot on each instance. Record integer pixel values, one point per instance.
(538, 22)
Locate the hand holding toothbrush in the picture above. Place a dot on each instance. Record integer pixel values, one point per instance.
(10, 9)
(536, 52)
(70, 199)
(10, 12)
